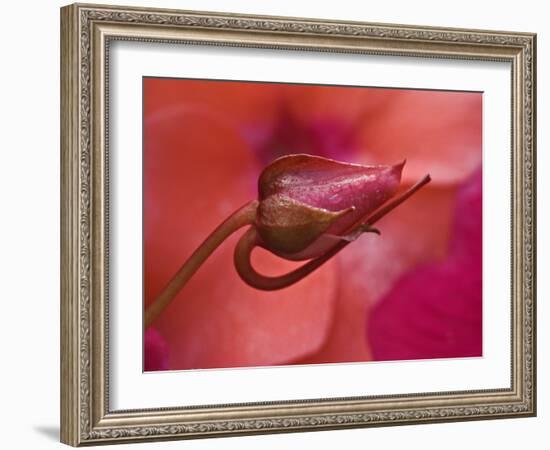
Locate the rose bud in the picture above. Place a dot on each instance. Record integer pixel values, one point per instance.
(309, 208)
(307, 203)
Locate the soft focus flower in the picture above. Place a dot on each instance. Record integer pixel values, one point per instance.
(205, 144)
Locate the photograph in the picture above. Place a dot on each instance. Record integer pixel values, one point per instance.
(259, 241)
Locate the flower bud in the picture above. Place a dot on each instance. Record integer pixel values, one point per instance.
(308, 202)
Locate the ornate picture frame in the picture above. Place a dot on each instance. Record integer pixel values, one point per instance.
(87, 32)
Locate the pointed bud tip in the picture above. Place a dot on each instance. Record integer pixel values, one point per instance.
(399, 166)
(395, 171)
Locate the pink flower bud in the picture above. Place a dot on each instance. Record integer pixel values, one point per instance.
(307, 203)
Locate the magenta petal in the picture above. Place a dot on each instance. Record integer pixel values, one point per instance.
(435, 311)
(466, 240)
(432, 312)
(155, 351)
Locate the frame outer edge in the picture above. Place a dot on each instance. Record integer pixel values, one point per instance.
(82, 393)
(70, 299)
(533, 235)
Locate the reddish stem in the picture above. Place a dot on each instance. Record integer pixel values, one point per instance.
(243, 216)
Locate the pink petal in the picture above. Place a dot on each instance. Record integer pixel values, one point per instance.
(155, 351)
(435, 311)
(368, 268)
(467, 231)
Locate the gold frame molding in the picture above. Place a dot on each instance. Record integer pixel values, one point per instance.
(86, 31)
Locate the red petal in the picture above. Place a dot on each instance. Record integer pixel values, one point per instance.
(241, 105)
(438, 132)
(346, 106)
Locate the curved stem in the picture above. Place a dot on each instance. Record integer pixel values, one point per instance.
(243, 252)
(243, 216)
(251, 239)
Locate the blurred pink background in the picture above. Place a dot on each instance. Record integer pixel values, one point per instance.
(412, 293)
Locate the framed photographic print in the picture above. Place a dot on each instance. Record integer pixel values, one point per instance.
(276, 224)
